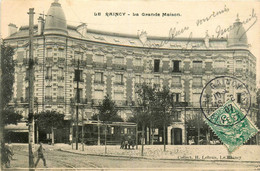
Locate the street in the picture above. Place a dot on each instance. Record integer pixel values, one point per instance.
(61, 159)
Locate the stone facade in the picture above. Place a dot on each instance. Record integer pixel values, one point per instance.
(115, 64)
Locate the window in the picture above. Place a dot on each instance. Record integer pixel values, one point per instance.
(176, 97)
(60, 92)
(80, 94)
(119, 78)
(48, 91)
(238, 97)
(27, 76)
(99, 58)
(27, 93)
(48, 72)
(176, 66)
(196, 99)
(176, 80)
(177, 116)
(98, 94)
(78, 75)
(49, 52)
(61, 53)
(197, 66)
(138, 79)
(156, 65)
(119, 60)
(239, 63)
(219, 64)
(137, 62)
(78, 56)
(118, 95)
(157, 80)
(60, 73)
(197, 81)
(20, 57)
(98, 77)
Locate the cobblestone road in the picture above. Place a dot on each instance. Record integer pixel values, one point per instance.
(61, 159)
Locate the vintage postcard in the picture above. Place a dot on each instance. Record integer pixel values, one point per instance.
(130, 85)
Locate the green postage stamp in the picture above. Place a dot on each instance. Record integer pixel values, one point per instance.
(231, 132)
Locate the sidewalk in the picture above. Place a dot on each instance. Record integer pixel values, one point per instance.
(246, 153)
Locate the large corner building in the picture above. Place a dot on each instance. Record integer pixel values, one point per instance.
(115, 64)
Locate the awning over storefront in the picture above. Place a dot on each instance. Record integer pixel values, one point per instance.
(20, 127)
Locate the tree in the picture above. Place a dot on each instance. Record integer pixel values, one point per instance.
(108, 111)
(7, 67)
(10, 116)
(142, 112)
(195, 124)
(50, 120)
(162, 107)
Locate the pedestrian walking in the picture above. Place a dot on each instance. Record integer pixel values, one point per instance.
(40, 155)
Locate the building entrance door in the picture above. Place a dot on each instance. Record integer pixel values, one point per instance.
(177, 136)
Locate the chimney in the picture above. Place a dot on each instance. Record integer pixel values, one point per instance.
(82, 29)
(12, 29)
(40, 25)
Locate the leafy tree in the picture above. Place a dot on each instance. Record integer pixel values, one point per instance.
(197, 124)
(108, 111)
(7, 67)
(50, 120)
(163, 105)
(142, 113)
(11, 116)
(7, 116)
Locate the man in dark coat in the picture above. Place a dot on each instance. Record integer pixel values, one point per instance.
(40, 155)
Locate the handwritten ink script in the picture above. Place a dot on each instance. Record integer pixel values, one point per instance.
(175, 32)
(221, 31)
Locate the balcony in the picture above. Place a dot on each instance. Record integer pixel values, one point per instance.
(60, 77)
(79, 62)
(119, 83)
(60, 99)
(81, 100)
(98, 82)
(121, 102)
(176, 85)
(48, 77)
(99, 65)
(177, 70)
(194, 85)
(198, 71)
(49, 60)
(48, 98)
(220, 70)
(61, 60)
(96, 102)
(138, 68)
(119, 66)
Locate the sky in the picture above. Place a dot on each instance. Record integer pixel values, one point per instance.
(185, 14)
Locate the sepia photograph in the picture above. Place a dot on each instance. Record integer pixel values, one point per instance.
(129, 85)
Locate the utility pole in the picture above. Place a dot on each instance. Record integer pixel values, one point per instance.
(31, 90)
(77, 106)
(98, 130)
(82, 131)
